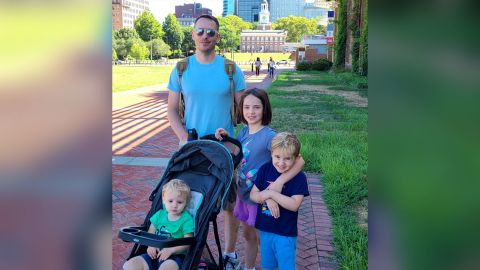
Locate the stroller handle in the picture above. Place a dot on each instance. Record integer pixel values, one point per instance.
(236, 158)
(139, 236)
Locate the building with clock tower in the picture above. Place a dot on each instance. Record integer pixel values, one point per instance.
(264, 17)
(264, 39)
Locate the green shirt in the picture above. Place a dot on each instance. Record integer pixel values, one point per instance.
(172, 229)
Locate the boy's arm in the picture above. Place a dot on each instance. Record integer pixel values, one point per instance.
(289, 203)
(297, 167)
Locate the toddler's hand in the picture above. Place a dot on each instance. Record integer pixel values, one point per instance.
(152, 252)
(165, 253)
(220, 132)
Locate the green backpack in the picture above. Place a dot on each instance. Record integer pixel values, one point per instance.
(230, 68)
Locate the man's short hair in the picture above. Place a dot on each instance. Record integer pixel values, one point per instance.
(209, 17)
(288, 142)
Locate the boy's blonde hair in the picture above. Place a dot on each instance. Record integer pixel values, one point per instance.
(286, 141)
(178, 186)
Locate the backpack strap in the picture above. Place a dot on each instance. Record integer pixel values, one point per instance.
(230, 68)
(181, 67)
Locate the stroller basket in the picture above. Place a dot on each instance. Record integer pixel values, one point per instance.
(207, 166)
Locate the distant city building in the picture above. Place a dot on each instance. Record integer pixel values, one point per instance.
(263, 39)
(318, 9)
(125, 12)
(229, 7)
(248, 10)
(285, 8)
(187, 13)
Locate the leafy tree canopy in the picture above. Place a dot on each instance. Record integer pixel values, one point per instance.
(173, 32)
(297, 27)
(139, 51)
(125, 33)
(148, 27)
(159, 48)
(230, 39)
(236, 22)
(187, 43)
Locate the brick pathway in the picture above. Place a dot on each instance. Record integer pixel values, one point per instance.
(142, 142)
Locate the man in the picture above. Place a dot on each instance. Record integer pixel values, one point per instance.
(206, 89)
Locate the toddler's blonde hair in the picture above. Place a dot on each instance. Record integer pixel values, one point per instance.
(178, 186)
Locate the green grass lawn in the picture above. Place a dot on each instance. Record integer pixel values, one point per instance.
(130, 77)
(334, 144)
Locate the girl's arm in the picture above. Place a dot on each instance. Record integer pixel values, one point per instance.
(255, 195)
(297, 167)
(289, 203)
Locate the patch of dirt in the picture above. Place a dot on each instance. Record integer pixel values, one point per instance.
(352, 97)
(362, 214)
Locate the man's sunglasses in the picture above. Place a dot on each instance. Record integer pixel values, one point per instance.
(210, 32)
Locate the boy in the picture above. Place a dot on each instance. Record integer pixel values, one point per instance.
(171, 221)
(277, 223)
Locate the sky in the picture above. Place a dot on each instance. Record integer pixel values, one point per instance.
(161, 8)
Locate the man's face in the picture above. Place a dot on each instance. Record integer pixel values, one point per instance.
(205, 42)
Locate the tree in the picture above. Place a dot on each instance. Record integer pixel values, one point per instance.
(230, 39)
(148, 27)
(236, 22)
(187, 44)
(123, 40)
(139, 51)
(125, 33)
(297, 27)
(114, 55)
(173, 32)
(159, 48)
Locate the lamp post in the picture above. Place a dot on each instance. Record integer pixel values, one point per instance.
(151, 47)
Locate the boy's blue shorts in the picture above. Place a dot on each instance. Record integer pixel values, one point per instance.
(154, 264)
(276, 250)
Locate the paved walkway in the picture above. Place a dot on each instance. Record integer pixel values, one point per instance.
(142, 143)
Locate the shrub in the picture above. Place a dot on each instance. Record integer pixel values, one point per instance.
(302, 66)
(321, 64)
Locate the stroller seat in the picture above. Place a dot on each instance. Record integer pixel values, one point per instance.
(207, 166)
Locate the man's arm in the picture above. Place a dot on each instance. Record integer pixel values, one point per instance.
(288, 175)
(174, 118)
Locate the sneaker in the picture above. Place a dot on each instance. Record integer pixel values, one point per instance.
(231, 263)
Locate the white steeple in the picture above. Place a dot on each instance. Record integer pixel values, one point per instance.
(264, 15)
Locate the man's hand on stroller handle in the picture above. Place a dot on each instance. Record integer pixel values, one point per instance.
(220, 133)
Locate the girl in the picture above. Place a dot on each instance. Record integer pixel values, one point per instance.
(256, 137)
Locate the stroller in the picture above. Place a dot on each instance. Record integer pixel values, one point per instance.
(207, 166)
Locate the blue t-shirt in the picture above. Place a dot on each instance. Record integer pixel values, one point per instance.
(256, 152)
(286, 224)
(206, 89)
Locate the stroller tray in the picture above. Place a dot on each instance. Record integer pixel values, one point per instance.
(139, 236)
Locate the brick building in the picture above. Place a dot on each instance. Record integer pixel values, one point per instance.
(125, 12)
(187, 13)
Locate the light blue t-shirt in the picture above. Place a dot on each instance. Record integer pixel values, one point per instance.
(206, 89)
